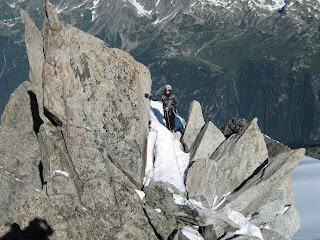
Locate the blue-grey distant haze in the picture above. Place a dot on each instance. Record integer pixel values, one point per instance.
(306, 187)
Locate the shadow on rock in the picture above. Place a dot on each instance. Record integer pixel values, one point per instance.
(38, 229)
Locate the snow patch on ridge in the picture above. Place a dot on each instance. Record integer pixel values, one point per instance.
(140, 9)
(61, 173)
(10, 22)
(17, 179)
(67, 7)
(219, 3)
(13, 5)
(93, 9)
(170, 16)
(95, 3)
(246, 228)
(264, 4)
(140, 193)
(166, 162)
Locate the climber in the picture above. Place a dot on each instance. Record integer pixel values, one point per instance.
(169, 106)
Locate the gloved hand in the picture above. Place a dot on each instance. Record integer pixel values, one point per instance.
(167, 109)
(147, 95)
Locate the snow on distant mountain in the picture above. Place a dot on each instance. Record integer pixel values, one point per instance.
(140, 9)
(273, 5)
(167, 11)
(269, 5)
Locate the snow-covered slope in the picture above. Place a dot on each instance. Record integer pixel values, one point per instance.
(166, 162)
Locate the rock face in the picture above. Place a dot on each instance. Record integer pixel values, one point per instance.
(34, 43)
(246, 150)
(83, 91)
(233, 126)
(208, 140)
(19, 153)
(73, 145)
(80, 149)
(267, 183)
(194, 124)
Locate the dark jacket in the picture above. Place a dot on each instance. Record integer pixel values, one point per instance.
(168, 101)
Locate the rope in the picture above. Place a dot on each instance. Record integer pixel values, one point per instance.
(182, 178)
(176, 157)
(172, 140)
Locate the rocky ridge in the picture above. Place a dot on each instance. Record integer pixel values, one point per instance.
(73, 152)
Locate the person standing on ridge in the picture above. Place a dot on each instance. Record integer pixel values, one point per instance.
(170, 103)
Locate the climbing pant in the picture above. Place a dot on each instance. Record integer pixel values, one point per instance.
(169, 116)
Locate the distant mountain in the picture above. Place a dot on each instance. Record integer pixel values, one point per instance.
(237, 58)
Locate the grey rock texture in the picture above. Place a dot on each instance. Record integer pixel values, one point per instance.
(246, 150)
(208, 140)
(19, 154)
(253, 172)
(55, 158)
(34, 44)
(158, 196)
(195, 122)
(272, 235)
(10, 190)
(19, 148)
(84, 91)
(106, 215)
(164, 225)
(263, 184)
(239, 237)
(201, 181)
(263, 195)
(273, 207)
(289, 222)
(234, 126)
(73, 140)
(275, 147)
